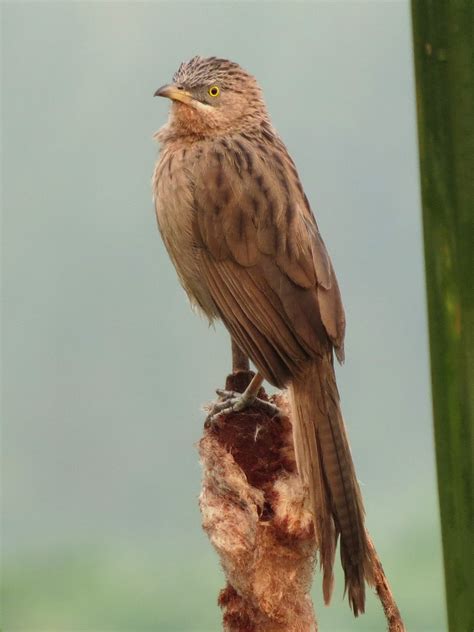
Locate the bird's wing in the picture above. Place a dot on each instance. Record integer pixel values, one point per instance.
(263, 258)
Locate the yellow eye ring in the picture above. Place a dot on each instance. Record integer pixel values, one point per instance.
(214, 91)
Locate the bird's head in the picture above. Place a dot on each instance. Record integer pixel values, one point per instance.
(212, 96)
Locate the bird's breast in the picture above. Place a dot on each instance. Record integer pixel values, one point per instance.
(176, 215)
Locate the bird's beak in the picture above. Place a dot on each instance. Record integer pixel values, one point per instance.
(174, 92)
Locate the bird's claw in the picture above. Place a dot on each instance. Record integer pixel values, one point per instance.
(233, 402)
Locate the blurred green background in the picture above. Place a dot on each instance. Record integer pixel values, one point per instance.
(105, 367)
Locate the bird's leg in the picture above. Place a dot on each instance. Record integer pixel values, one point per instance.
(232, 402)
(247, 397)
(240, 361)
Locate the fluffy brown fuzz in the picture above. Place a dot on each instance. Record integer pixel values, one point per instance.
(253, 510)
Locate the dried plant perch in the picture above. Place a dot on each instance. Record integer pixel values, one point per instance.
(254, 511)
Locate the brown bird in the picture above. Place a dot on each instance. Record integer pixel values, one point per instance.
(241, 234)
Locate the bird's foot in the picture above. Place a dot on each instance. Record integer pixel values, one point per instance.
(233, 402)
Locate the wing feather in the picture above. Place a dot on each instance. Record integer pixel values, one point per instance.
(263, 258)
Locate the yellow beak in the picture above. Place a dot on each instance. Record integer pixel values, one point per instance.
(174, 92)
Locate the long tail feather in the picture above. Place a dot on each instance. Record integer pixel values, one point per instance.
(326, 468)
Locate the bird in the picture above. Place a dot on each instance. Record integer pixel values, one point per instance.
(243, 238)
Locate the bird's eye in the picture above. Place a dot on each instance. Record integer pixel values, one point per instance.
(214, 91)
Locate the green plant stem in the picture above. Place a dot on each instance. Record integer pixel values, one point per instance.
(442, 36)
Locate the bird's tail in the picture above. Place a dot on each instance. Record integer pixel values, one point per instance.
(326, 468)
